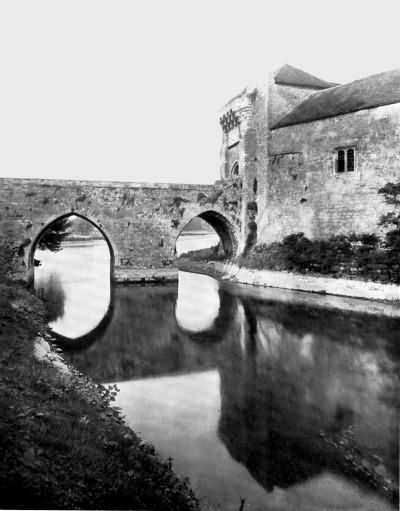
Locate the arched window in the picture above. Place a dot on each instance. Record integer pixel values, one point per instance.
(235, 169)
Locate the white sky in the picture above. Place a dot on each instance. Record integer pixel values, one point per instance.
(130, 90)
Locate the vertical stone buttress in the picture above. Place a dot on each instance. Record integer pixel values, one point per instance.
(246, 138)
(238, 158)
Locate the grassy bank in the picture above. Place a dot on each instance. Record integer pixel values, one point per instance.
(62, 444)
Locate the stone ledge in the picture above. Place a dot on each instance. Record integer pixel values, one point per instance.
(320, 285)
(15, 181)
(137, 275)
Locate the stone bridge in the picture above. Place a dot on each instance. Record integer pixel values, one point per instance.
(140, 222)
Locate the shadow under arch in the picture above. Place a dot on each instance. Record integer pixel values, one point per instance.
(84, 217)
(222, 227)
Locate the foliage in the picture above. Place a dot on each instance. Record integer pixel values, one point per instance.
(339, 256)
(6, 258)
(391, 191)
(362, 255)
(215, 253)
(52, 293)
(391, 221)
(366, 239)
(298, 253)
(62, 443)
(55, 234)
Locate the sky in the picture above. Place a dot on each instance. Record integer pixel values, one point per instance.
(131, 90)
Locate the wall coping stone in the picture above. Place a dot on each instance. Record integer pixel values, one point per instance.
(104, 184)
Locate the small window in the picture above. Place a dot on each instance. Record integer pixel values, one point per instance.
(345, 160)
(350, 160)
(340, 161)
(235, 169)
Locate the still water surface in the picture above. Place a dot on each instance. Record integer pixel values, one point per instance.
(287, 406)
(195, 241)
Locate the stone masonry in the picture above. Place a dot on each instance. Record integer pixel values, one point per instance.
(280, 174)
(284, 144)
(140, 222)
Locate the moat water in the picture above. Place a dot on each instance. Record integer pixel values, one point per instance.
(262, 398)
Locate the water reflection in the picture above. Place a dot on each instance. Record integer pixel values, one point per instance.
(76, 285)
(290, 407)
(196, 241)
(51, 291)
(145, 343)
(298, 402)
(198, 303)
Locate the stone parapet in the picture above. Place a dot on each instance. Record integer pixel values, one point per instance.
(133, 275)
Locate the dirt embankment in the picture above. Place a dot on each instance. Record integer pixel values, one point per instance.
(62, 444)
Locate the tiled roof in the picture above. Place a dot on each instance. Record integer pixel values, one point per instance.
(373, 91)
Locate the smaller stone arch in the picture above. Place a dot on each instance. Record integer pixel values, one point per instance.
(31, 252)
(222, 227)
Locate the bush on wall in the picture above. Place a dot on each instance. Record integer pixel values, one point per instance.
(362, 255)
(353, 255)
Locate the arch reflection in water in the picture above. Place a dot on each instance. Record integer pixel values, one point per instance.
(294, 408)
(143, 340)
(198, 302)
(75, 284)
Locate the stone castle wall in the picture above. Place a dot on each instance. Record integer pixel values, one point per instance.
(306, 194)
(289, 176)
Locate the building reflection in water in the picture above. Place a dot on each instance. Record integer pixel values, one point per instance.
(306, 391)
(305, 399)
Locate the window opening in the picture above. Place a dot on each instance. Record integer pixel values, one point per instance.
(340, 161)
(345, 160)
(350, 160)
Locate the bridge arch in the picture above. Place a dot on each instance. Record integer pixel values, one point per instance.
(222, 226)
(49, 223)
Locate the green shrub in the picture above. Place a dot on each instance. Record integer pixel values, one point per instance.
(355, 255)
(362, 255)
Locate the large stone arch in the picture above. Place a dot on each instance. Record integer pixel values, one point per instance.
(29, 257)
(222, 226)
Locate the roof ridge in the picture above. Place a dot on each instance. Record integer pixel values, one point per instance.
(291, 75)
(372, 91)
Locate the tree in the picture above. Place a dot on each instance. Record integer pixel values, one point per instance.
(391, 193)
(55, 234)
